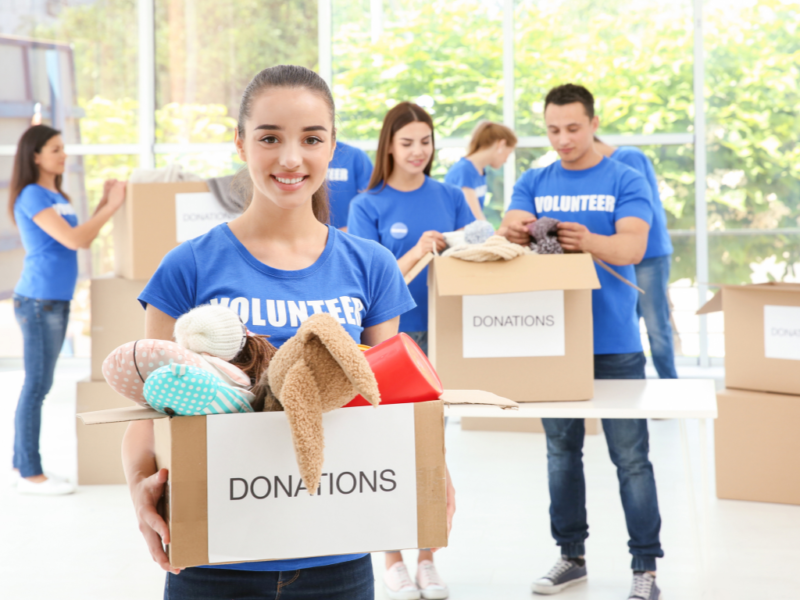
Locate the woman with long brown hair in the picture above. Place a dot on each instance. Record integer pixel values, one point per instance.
(51, 237)
(407, 211)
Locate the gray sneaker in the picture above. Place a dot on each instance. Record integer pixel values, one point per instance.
(563, 574)
(644, 587)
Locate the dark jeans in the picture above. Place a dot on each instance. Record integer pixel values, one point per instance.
(352, 580)
(652, 275)
(628, 446)
(44, 325)
(421, 338)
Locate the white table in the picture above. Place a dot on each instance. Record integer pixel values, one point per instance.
(634, 399)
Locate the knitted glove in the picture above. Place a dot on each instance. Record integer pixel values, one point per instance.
(188, 391)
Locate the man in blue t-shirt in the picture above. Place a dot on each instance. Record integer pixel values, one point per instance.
(605, 209)
(348, 175)
(652, 274)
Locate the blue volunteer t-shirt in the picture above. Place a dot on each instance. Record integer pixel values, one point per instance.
(463, 174)
(597, 198)
(658, 241)
(348, 174)
(398, 219)
(355, 280)
(50, 269)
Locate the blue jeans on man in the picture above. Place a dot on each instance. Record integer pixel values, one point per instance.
(652, 275)
(628, 446)
(44, 325)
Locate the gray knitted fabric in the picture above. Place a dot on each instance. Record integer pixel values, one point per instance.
(544, 232)
(478, 232)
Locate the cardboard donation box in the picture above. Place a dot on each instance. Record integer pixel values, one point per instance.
(762, 336)
(155, 218)
(521, 329)
(99, 448)
(757, 447)
(235, 492)
(117, 317)
(518, 425)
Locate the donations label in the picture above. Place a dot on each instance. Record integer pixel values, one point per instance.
(782, 332)
(197, 214)
(514, 325)
(259, 507)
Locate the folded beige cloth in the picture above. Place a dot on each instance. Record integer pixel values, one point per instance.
(495, 248)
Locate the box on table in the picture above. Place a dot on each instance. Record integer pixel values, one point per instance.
(757, 446)
(517, 425)
(155, 218)
(521, 329)
(235, 493)
(762, 336)
(99, 448)
(117, 317)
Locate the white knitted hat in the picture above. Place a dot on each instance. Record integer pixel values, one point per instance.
(213, 329)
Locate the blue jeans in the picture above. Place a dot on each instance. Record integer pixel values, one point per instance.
(628, 446)
(652, 275)
(44, 325)
(352, 580)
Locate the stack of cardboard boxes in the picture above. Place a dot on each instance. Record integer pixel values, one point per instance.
(155, 218)
(756, 441)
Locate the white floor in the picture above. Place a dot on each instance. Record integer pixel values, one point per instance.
(86, 546)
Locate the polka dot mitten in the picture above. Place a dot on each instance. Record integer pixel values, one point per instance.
(185, 390)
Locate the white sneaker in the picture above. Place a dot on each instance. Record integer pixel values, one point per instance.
(14, 478)
(53, 486)
(430, 584)
(398, 585)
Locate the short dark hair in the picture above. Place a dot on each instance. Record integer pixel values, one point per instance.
(569, 93)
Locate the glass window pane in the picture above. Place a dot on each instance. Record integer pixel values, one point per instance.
(446, 56)
(203, 164)
(207, 52)
(77, 59)
(636, 58)
(753, 131)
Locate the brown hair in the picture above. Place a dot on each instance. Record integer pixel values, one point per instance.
(487, 133)
(25, 170)
(570, 93)
(254, 359)
(397, 118)
(285, 76)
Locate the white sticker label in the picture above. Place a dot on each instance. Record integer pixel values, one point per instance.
(782, 332)
(513, 325)
(197, 214)
(259, 510)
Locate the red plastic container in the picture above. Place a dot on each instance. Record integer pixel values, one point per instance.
(403, 372)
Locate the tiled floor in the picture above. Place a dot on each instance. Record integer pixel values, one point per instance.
(87, 547)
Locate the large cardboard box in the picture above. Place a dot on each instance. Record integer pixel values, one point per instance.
(235, 494)
(518, 425)
(762, 336)
(117, 317)
(757, 447)
(99, 448)
(521, 329)
(155, 218)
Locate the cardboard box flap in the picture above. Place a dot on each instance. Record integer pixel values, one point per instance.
(712, 306)
(121, 415)
(454, 397)
(715, 304)
(531, 273)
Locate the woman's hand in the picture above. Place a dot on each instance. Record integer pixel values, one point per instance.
(429, 241)
(115, 195)
(146, 495)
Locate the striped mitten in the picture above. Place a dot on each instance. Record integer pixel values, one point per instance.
(184, 390)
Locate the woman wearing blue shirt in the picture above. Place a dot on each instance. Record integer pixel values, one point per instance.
(407, 211)
(276, 264)
(490, 146)
(51, 237)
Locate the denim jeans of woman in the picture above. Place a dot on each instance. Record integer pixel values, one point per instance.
(44, 325)
(628, 447)
(652, 275)
(352, 580)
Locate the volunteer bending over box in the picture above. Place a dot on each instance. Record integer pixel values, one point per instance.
(605, 208)
(276, 265)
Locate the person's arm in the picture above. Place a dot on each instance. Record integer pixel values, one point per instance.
(146, 483)
(372, 336)
(81, 236)
(474, 203)
(626, 247)
(515, 226)
(426, 243)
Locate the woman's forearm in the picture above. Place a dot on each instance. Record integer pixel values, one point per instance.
(138, 452)
(409, 259)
